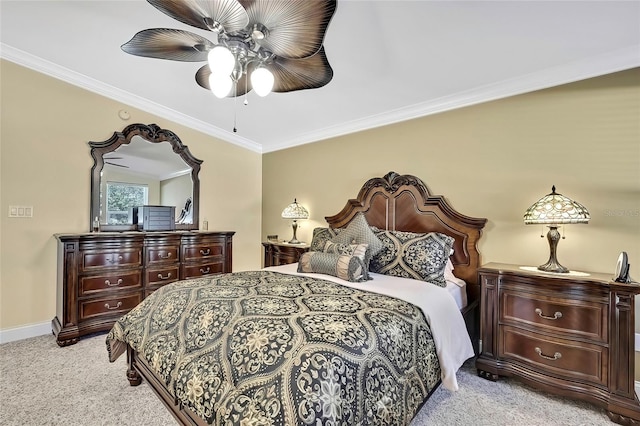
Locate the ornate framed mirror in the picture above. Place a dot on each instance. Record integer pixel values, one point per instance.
(147, 157)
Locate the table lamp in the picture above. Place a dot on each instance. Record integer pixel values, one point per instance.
(296, 212)
(552, 210)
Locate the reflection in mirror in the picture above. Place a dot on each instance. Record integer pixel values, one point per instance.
(143, 165)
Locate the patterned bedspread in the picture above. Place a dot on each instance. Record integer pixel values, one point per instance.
(266, 348)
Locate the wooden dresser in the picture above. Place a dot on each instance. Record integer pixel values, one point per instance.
(103, 275)
(277, 253)
(568, 334)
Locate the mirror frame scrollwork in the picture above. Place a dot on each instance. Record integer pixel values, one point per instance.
(152, 133)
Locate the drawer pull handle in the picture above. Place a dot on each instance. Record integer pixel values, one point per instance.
(205, 271)
(167, 256)
(555, 356)
(110, 284)
(111, 308)
(164, 278)
(554, 317)
(115, 260)
(205, 252)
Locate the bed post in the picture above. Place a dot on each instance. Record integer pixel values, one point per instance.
(132, 374)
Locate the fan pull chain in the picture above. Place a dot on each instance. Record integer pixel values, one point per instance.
(542, 231)
(246, 91)
(235, 107)
(563, 228)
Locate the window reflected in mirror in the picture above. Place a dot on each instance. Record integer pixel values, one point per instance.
(121, 198)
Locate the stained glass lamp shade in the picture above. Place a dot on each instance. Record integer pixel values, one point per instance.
(552, 210)
(295, 212)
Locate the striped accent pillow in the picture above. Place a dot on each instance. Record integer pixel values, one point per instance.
(343, 266)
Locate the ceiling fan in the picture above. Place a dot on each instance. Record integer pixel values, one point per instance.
(264, 45)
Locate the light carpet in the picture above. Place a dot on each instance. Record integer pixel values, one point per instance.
(43, 384)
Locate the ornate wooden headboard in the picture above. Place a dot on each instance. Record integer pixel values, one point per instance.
(403, 203)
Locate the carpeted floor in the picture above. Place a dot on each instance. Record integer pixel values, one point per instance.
(43, 384)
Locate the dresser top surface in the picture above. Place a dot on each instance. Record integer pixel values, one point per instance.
(530, 270)
(285, 244)
(142, 234)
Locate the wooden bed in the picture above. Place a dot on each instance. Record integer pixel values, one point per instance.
(393, 202)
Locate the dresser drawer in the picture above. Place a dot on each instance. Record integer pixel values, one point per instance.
(165, 254)
(162, 276)
(107, 306)
(559, 357)
(203, 251)
(92, 260)
(109, 282)
(573, 318)
(200, 270)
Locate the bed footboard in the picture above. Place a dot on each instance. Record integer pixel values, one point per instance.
(138, 368)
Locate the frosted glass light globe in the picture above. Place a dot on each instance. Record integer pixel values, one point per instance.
(220, 85)
(262, 81)
(221, 60)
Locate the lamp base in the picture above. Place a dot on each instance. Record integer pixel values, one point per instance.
(294, 240)
(552, 265)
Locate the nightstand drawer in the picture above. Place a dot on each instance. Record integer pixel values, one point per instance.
(573, 318)
(276, 254)
(558, 357)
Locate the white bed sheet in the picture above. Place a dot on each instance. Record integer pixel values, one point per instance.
(440, 307)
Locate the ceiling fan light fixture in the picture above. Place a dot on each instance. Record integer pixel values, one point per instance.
(220, 85)
(221, 60)
(287, 35)
(262, 81)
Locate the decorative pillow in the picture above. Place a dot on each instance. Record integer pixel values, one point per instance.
(359, 232)
(413, 255)
(321, 236)
(359, 250)
(348, 268)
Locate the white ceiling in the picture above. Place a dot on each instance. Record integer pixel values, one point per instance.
(392, 61)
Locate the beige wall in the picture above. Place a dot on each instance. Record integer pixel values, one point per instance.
(45, 163)
(493, 160)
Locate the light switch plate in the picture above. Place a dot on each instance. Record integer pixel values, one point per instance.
(21, 211)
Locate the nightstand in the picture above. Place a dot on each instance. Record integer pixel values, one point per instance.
(281, 253)
(570, 334)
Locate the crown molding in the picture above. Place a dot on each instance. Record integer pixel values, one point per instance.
(618, 60)
(61, 73)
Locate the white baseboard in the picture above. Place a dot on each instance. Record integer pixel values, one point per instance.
(34, 330)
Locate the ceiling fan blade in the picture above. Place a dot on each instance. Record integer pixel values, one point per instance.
(117, 165)
(202, 78)
(298, 74)
(203, 13)
(166, 43)
(295, 28)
